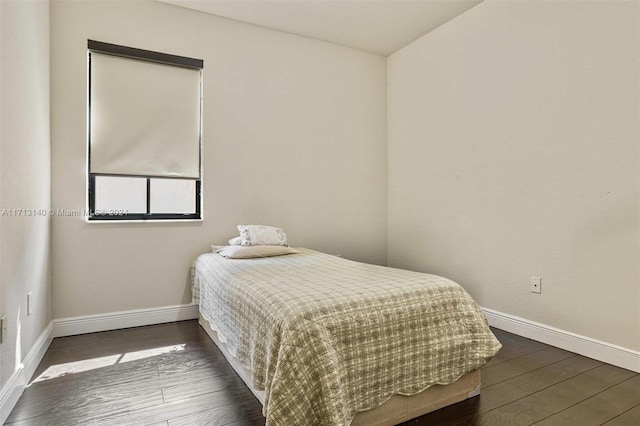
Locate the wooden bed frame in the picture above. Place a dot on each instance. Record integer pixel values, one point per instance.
(397, 409)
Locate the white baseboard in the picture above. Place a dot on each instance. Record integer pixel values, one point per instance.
(9, 395)
(591, 348)
(124, 319)
(13, 388)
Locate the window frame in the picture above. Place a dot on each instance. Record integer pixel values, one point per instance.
(153, 57)
(142, 216)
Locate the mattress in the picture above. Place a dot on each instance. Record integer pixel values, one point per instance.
(325, 338)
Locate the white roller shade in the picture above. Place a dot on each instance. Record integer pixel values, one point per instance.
(145, 118)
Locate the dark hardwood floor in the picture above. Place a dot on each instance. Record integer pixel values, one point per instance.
(172, 374)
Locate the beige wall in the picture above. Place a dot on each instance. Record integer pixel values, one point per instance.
(514, 151)
(24, 177)
(294, 136)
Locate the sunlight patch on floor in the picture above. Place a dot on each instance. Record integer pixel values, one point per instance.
(60, 370)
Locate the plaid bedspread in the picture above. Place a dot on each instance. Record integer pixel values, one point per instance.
(326, 337)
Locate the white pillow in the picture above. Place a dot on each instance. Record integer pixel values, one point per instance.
(236, 241)
(248, 252)
(259, 235)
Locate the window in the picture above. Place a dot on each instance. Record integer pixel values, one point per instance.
(144, 134)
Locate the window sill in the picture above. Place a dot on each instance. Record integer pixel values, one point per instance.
(111, 222)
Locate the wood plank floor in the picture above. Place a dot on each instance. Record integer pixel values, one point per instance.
(172, 374)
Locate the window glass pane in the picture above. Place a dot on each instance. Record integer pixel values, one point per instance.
(173, 196)
(115, 193)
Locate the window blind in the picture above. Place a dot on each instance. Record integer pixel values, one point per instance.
(144, 118)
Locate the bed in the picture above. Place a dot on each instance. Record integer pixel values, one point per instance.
(322, 340)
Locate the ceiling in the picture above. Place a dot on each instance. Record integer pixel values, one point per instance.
(376, 26)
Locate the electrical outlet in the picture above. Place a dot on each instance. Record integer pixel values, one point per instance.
(536, 285)
(29, 303)
(3, 328)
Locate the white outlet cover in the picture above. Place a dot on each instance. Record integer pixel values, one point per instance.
(536, 285)
(3, 328)
(29, 300)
